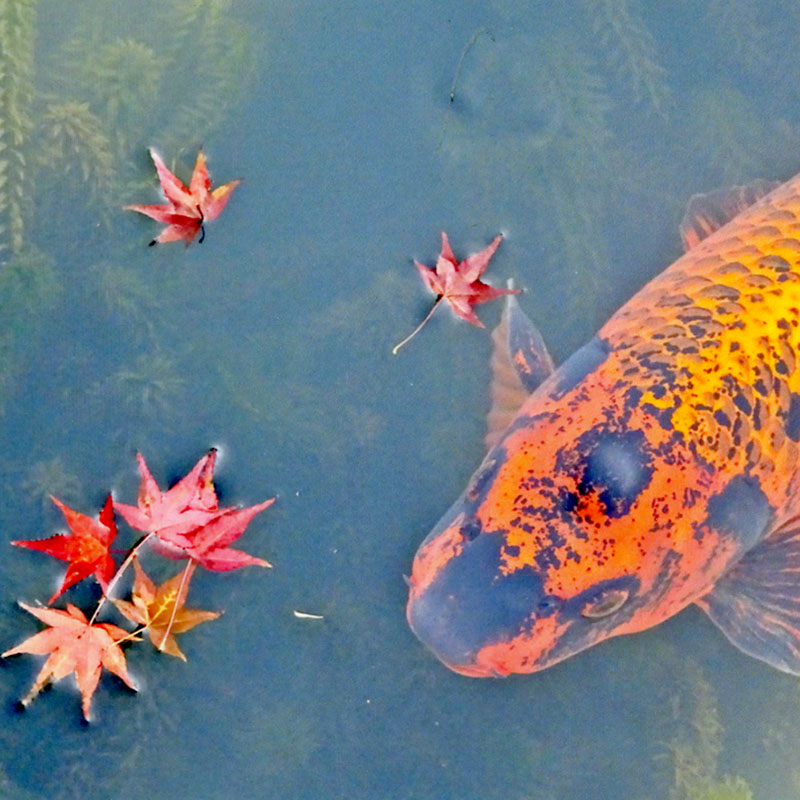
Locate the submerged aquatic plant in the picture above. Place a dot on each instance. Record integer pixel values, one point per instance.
(51, 477)
(120, 80)
(629, 48)
(29, 289)
(17, 34)
(73, 145)
(695, 756)
(148, 386)
(125, 295)
(732, 137)
(211, 52)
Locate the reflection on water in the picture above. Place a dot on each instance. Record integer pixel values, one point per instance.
(580, 135)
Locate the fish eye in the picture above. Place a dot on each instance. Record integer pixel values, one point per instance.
(606, 603)
(547, 605)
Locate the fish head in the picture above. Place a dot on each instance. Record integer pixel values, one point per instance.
(565, 537)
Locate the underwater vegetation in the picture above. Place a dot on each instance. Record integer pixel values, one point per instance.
(73, 145)
(103, 95)
(73, 134)
(569, 108)
(17, 34)
(695, 752)
(30, 289)
(541, 116)
(51, 477)
(147, 387)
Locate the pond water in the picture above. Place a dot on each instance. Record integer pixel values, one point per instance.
(361, 131)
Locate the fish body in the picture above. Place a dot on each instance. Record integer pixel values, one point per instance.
(657, 467)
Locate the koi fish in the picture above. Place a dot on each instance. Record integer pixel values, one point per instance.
(656, 468)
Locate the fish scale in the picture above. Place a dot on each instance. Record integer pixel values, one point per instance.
(728, 377)
(657, 467)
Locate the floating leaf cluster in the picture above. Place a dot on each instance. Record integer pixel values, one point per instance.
(185, 522)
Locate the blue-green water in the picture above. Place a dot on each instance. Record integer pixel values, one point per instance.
(580, 135)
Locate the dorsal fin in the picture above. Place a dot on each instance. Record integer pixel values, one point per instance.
(757, 603)
(707, 213)
(520, 362)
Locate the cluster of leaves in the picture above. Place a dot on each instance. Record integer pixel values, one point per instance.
(185, 522)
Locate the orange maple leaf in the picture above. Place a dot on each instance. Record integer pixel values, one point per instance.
(86, 547)
(161, 609)
(74, 645)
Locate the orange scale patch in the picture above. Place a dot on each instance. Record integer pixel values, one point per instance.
(519, 655)
(435, 555)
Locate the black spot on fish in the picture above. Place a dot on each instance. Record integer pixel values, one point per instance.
(741, 510)
(567, 501)
(546, 559)
(663, 415)
(741, 402)
(793, 418)
(722, 419)
(615, 464)
(633, 396)
(471, 529)
(579, 365)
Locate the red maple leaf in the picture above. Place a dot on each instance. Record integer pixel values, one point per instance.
(458, 282)
(188, 505)
(86, 546)
(208, 546)
(73, 645)
(187, 208)
(187, 521)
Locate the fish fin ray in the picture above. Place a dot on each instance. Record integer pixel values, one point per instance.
(757, 603)
(708, 212)
(519, 363)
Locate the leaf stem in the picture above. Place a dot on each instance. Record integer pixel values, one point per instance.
(419, 327)
(185, 578)
(132, 635)
(118, 574)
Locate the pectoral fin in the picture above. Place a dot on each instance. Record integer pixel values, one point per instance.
(520, 362)
(708, 212)
(757, 604)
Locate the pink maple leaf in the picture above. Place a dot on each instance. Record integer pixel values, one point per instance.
(187, 522)
(458, 282)
(189, 504)
(187, 208)
(208, 545)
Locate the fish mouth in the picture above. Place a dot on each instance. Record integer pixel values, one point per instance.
(478, 670)
(431, 628)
